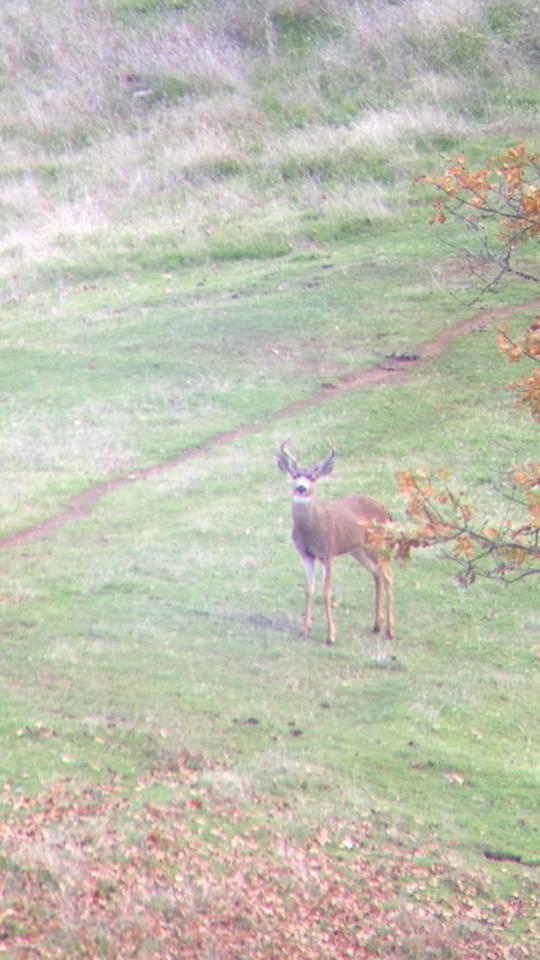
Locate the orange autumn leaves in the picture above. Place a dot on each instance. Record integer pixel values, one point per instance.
(507, 548)
(501, 204)
(90, 873)
(508, 189)
(525, 348)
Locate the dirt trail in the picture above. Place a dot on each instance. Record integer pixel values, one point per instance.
(395, 369)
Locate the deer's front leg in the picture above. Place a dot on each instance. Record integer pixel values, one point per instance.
(309, 567)
(331, 635)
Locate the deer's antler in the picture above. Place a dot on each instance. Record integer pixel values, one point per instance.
(286, 462)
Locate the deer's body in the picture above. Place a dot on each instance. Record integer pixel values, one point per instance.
(332, 528)
(328, 529)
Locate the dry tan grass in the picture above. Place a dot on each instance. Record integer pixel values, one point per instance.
(94, 439)
(84, 72)
(185, 122)
(434, 17)
(376, 131)
(384, 25)
(367, 199)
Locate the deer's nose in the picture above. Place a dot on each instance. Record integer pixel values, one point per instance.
(301, 488)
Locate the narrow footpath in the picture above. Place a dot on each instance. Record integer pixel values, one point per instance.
(395, 369)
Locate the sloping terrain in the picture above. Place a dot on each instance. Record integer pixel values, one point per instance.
(214, 240)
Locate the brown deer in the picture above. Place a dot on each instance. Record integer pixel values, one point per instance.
(322, 531)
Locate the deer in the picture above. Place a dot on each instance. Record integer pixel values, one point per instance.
(324, 530)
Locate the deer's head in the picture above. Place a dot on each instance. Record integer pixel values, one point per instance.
(303, 479)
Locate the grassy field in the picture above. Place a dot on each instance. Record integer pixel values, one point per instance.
(214, 229)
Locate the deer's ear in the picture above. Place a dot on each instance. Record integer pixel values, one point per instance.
(325, 466)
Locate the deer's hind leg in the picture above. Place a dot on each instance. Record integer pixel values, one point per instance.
(382, 581)
(382, 576)
(387, 579)
(372, 565)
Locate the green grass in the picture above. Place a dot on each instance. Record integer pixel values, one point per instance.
(173, 606)
(205, 257)
(165, 621)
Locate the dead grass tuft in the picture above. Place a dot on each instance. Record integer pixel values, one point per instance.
(88, 441)
(188, 119)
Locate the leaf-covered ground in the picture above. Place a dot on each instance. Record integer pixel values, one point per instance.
(196, 875)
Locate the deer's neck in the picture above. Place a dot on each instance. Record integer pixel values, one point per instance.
(309, 527)
(304, 511)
